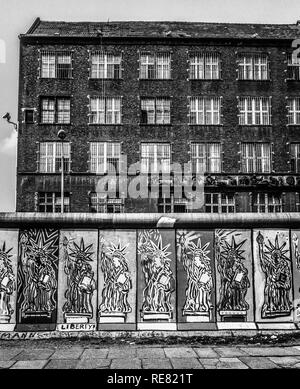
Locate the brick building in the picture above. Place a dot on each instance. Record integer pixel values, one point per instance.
(224, 97)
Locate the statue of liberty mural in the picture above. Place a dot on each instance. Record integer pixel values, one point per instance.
(159, 280)
(278, 278)
(7, 284)
(37, 251)
(117, 281)
(233, 273)
(80, 282)
(196, 263)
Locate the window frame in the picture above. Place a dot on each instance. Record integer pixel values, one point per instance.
(161, 107)
(248, 112)
(207, 157)
(205, 107)
(220, 205)
(293, 107)
(56, 112)
(54, 158)
(245, 60)
(204, 59)
(55, 204)
(103, 111)
(258, 157)
(104, 202)
(155, 58)
(55, 64)
(110, 59)
(146, 160)
(264, 207)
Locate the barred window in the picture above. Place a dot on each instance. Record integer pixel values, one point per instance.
(56, 64)
(51, 202)
(206, 157)
(256, 158)
(55, 110)
(253, 67)
(293, 69)
(105, 110)
(155, 157)
(294, 111)
(266, 203)
(295, 157)
(204, 66)
(100, 204)
(50, 157)
(255, 111)
(155, 111)
(205, 111)
(105, 157)
(220, 203)
(155, 66)
(171, 205)
(105, 65)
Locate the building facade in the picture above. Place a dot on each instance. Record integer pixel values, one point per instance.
(222, 98)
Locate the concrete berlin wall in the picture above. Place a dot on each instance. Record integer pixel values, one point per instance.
(85, 273)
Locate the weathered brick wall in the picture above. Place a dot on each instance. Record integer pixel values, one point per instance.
(131, 133)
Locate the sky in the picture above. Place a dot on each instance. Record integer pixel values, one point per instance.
(16, 16)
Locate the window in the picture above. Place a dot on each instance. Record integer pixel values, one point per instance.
(295, 157)
(51, 202)
(105, 110)
(205, 66)
(253, 67)
(266, 203)
(156, 157)
(50, 157)
(29, 116)
(55, 110)
(155, 66)
(255, 111)
(205, 111)
(219, 203)
(256, 158)
(56, 64)
(105, 65)
(294, 111)
(206, 157)
(100, 204)
(105, 157)
(155, 111)
(293, 70)
(171, 205)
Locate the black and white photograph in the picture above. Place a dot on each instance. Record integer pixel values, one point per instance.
(149, 187)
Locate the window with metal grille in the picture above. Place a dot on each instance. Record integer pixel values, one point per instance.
(105, 65)
(155, 66)
(253, 67)
(105, 110)
(155, 157)
(205, 111)
(255, 111)
(204, 66)
(50, 157)
(56, 64)
(294, 111)
(49, 202)
(293, 68)
(256, 158)
(220, 203)
(206, 157)
(295, 157)
(55, 110)
(155, 111)
(105, 157)
(266, 203)
(100, 204)
(171, 205)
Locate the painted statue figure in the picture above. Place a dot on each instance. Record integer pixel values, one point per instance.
(7, 284)
(233, 273)
(296, 250)
(196, 263)
(117, 279)
(40, 278)
(80, 282)
(159, 280)
(278, 278)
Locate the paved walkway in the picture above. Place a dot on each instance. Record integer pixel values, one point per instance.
(26, 356)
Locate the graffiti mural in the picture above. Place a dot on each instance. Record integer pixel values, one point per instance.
(194, 256)
(233, 264)
(116, 264)
(274, 266)
(158, 276)
(37, 276)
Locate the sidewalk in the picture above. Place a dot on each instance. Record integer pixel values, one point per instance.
(27, 356)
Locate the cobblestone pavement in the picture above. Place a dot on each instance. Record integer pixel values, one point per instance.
(148, 357)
